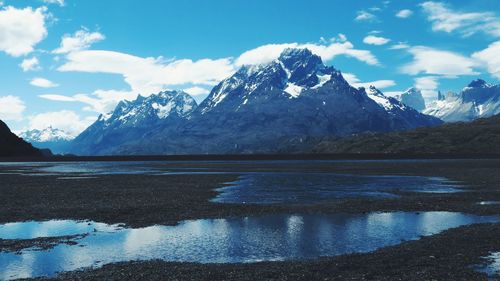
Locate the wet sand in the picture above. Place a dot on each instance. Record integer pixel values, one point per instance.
(142, 200)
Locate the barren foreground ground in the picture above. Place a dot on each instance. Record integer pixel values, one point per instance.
(143, 200)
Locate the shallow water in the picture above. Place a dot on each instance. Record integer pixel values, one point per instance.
(273, 182)
(268, 188)
(251, 239)
(493, 265)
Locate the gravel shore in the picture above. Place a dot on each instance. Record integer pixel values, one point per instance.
(143, 200)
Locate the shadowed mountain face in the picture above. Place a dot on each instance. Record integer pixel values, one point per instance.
(13, 146)
(134, 121)
(260, 109)
(480, 136)
(478, 100)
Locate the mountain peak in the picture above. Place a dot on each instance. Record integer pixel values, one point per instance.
(299, 53)
(413, 98)
(478, 83)
(374, 91)
(294, 59)
(412, 90)
(158, 106)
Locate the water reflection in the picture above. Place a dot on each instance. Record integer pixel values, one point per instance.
(250, 239)
(53, 228)
(277, 182)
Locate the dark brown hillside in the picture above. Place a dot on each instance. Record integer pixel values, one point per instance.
(480, 136)
(13, 146)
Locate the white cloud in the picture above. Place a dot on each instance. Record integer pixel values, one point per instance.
(433, 61)
(21, 29)
(11, 108)
(58, 2)
(365, 16)
(336, 47)
(263, 54)
(30, 64)
(197, 91)
(466, 23)
(149, 75)
(400, 46)
(55, 97)
(379, 84)
(428, 85)
(490, 58)
(404, 13)
(375, 40)
(81, 40)
(65, 120)
(43, 83)
(100, 101)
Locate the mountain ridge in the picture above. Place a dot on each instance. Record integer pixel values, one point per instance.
(259, 108)
(132, 120)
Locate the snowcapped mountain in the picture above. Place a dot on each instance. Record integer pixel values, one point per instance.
(261, 108)
(133, 121)
(413, 98)
(51, 138)
(479, 99)
(164, 105)
(49, 134)
(11, 145)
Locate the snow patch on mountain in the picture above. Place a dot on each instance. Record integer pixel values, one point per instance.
(386, 102)
(293, 90)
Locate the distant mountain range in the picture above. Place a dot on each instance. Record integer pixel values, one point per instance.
(259, 109)
(11, 145)
(479, 136)
(478, 100)
(288, 105)
(58, 141)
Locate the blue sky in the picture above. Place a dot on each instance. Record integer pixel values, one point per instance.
(64, 62)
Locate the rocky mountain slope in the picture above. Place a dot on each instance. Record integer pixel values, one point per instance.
(134, 121)
(262, 108)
